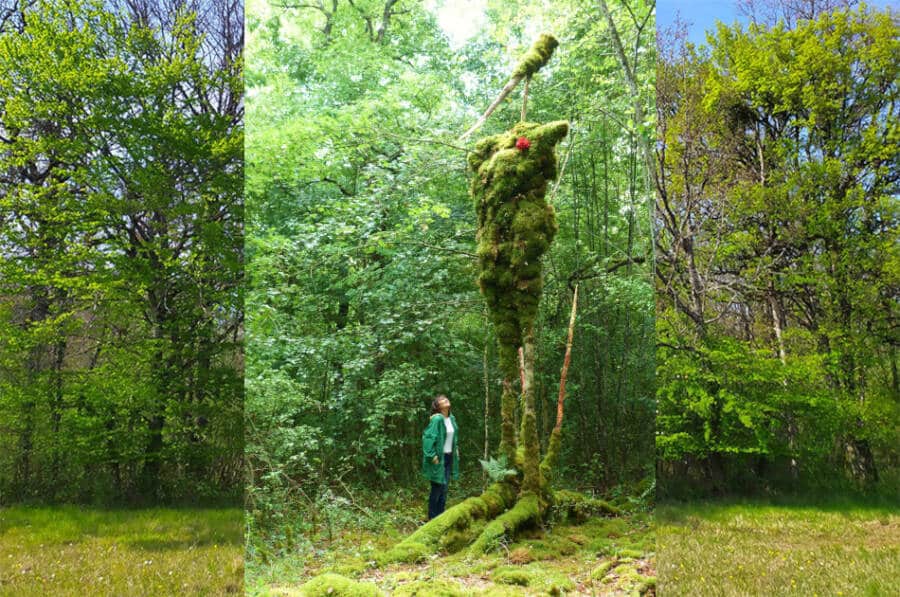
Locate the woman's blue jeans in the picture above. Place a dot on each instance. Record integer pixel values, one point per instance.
(437, 501)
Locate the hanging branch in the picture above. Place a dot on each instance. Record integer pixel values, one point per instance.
(506, 91)
(536, 57)
(566, 360)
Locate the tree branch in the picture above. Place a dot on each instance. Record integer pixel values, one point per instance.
(566, 360)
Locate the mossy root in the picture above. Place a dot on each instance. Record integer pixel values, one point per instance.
(427, 539)
(527, 510)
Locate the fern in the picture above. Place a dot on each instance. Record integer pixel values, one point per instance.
(496, 469)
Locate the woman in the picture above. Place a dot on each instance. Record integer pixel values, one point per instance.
(440, 454)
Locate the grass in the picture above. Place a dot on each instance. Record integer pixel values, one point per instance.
(69, 550)
(757, 548)
(603, 556)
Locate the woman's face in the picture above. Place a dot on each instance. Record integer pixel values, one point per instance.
(444, 405)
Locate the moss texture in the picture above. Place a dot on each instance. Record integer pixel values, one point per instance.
(537, 56)
(551, 547)
(579, 507)
(539, 579)
(532, 477)
(430, 588)
(333, 585)
(526, 510)
(511, 576)
(551, 456)
(451, 529)
(515, 228)
(602, 570)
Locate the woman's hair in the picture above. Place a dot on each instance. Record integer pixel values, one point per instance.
(436, 404)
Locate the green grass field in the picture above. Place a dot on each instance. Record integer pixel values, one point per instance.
(725, 549)
(602, 556)
(87, 551)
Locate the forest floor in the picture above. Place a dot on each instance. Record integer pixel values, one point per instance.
(755, 548)
(602, 556)
(71, 550)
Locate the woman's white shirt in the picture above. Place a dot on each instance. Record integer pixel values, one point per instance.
(448, 443)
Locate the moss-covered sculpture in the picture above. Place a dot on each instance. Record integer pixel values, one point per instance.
(515, 225)
(510, 175)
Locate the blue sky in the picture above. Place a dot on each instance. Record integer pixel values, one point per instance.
(701, 15)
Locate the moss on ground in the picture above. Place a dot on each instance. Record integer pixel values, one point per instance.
(333, 585)
(601, 571)
(508, 575)
(552, 546)
(534, 576)
(430, 588)
(579, 507)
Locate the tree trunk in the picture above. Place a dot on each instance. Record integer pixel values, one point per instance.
(530, 443)
(861, 461)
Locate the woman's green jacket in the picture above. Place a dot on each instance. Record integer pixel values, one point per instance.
(433, 439)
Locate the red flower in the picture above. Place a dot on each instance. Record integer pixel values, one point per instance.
(522, 144)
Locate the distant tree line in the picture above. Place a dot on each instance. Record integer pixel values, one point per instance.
(777, 255)
(121, 169)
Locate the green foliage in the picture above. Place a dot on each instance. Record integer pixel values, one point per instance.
(120, 255)
(496, 469)
(777, 367)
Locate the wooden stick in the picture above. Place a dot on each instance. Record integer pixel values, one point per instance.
(566, 360)
(525, 98)
(506, 91)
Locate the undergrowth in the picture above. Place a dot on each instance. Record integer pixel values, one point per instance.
(598, 555)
